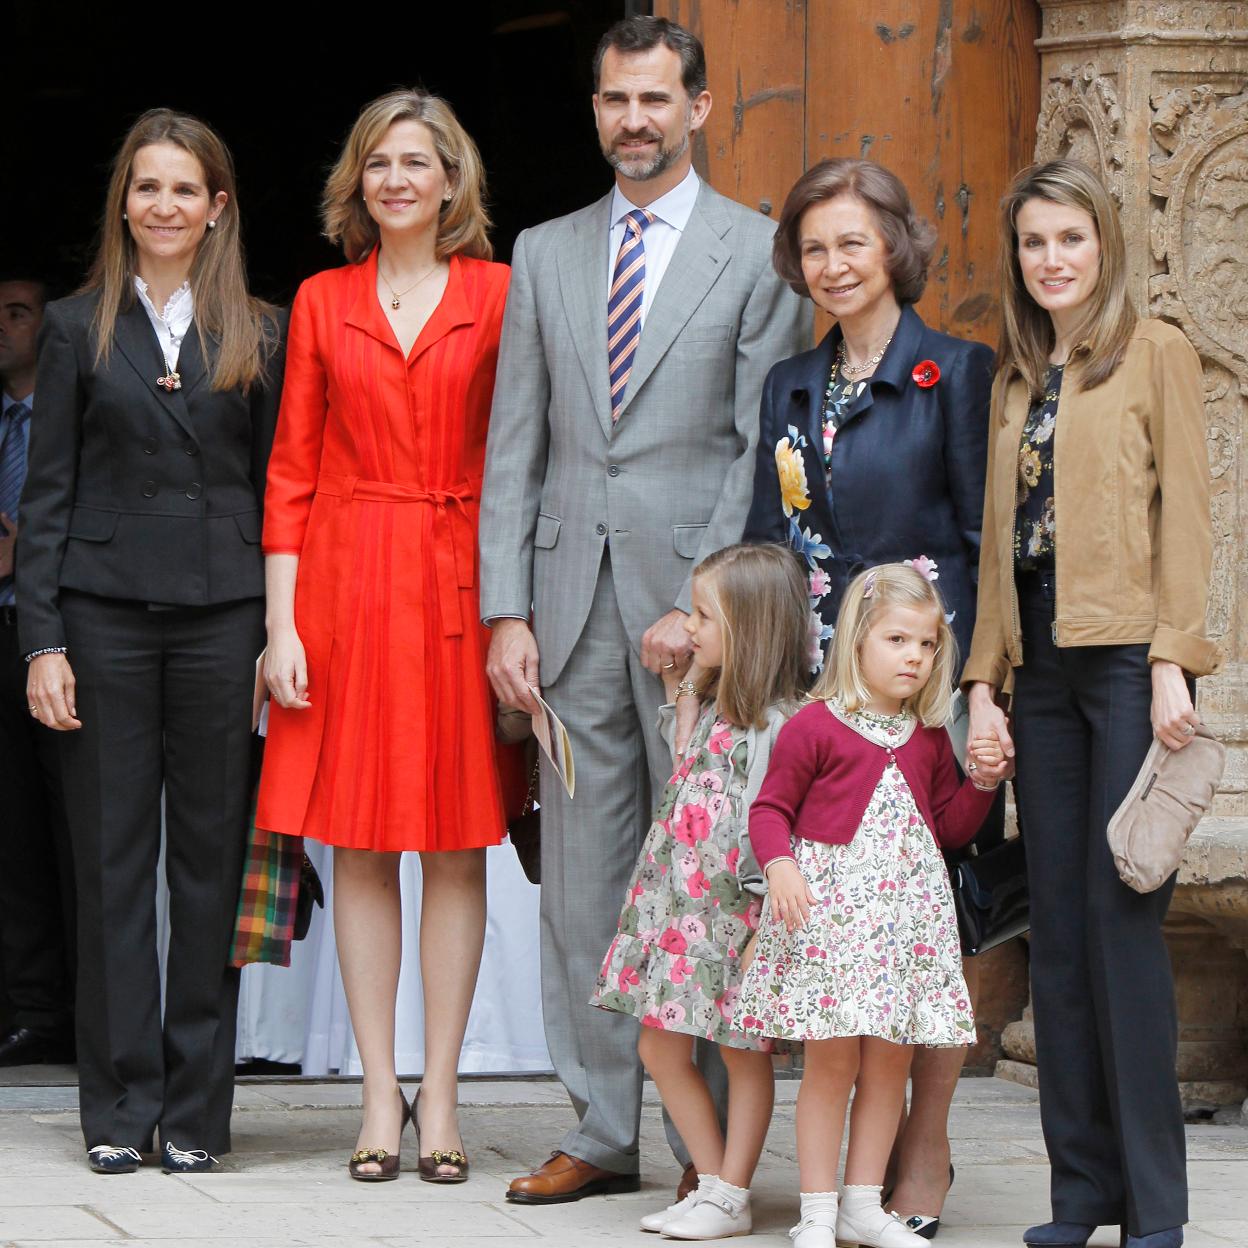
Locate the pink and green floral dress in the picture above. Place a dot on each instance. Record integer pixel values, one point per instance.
(695, 896)
(879, 955)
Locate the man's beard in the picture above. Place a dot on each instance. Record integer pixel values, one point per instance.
(643, 171)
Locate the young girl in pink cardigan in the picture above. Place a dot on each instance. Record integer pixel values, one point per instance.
(860, 958)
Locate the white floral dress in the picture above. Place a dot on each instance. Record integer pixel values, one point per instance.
(695, 897)
(879, 955)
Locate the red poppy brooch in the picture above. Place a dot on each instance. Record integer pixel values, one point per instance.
(926, 374)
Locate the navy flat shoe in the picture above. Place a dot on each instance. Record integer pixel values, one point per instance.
(1058, 1235)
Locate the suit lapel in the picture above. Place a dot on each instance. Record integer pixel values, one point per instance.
(583, 282)
(136, 341)
(700, 257)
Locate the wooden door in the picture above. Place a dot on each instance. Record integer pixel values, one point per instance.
(943, 92)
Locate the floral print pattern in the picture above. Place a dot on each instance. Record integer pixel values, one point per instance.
(880, 954)
(1035, 526)
(675, 961)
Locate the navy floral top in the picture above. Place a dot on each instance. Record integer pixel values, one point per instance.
(838, 401)
(1035, 529)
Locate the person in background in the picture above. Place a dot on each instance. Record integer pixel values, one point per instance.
(1097, 455)
(36, 869)
(140, 611)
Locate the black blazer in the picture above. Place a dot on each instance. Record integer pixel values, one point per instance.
(133, 492)
(908, 467)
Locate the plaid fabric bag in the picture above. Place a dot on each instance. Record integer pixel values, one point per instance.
(265, 923)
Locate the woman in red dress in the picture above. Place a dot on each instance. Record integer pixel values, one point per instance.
(381, 737)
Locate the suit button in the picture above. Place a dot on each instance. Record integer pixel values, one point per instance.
(194, 490)
(191, 449)
(149, 446)
(613, 470)
(600, 529)
(149, 489)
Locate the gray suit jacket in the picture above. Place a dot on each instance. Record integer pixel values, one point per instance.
(671, 482)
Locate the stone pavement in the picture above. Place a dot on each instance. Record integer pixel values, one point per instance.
(285, 1185)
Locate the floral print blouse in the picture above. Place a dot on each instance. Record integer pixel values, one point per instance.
(1035, 527)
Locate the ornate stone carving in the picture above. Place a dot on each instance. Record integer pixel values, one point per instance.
(1080, 117)
(1199, 177)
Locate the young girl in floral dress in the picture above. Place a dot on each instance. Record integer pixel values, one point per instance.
(860, 957)
(695, 898)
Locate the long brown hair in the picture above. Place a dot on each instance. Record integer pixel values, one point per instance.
(242, 326)
(869, 593)
(764, 621)
(1026, 328)
(463, 223)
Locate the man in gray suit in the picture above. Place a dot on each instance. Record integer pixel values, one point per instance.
(637, 336)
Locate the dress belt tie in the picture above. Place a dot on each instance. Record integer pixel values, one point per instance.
(454, 553)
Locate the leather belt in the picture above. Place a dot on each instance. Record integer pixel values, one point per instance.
(455, 540)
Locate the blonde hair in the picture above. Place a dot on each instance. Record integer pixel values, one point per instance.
(869, 594)
(244, 327)
(763, 605)
(1109, 318)
(463, 223)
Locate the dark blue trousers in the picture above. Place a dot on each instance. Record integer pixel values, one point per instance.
(1105, 1018)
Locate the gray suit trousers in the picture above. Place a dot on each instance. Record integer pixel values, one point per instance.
(609, 703)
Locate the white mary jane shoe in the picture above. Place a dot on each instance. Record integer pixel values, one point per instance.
(873, 1228)
(715, 1215)
(815, 1230)
(657, 1221)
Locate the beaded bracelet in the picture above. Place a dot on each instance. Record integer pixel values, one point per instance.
(34, 654)
(986, 788)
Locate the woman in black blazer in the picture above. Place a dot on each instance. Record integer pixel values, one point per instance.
(873, 449)
(140, 609)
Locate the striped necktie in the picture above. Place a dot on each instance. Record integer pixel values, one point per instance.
(628, 285)
(12, 475)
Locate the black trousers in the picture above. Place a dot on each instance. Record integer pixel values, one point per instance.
(1105, 1017)
(36, 872)
(165, 701)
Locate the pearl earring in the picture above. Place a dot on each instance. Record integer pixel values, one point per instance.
(212, 225)
(125, 216)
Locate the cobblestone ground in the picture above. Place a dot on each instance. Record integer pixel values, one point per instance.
(286, 1185)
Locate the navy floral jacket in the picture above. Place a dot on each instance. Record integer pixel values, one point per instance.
(907, 470)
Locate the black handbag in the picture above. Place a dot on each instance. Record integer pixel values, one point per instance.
(311, 893)
(525, 831)
(990, 896)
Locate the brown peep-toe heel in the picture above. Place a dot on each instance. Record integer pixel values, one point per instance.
(427, 1167)
(387, 1162)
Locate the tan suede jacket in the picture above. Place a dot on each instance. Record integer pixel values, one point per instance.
(1131, 502)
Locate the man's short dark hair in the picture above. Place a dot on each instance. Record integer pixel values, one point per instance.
(640, 34)
(42, 294)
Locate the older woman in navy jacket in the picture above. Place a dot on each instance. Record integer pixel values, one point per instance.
(873, 449)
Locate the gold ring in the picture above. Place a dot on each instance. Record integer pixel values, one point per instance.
(34, 710)
(667, 667)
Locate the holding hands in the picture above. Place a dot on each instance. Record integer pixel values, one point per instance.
(987, 763)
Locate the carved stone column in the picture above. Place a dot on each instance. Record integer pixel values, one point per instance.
(1154, 94)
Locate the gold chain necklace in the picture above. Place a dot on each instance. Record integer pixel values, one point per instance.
(855, 370)
(395, 296)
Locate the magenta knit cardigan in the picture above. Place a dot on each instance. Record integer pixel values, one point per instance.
(822, 775)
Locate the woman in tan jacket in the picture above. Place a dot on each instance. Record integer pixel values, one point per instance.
(1093, 585)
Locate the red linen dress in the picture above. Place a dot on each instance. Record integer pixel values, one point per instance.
(375, 481)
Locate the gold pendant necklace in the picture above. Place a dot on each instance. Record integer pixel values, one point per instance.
(396, 295)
